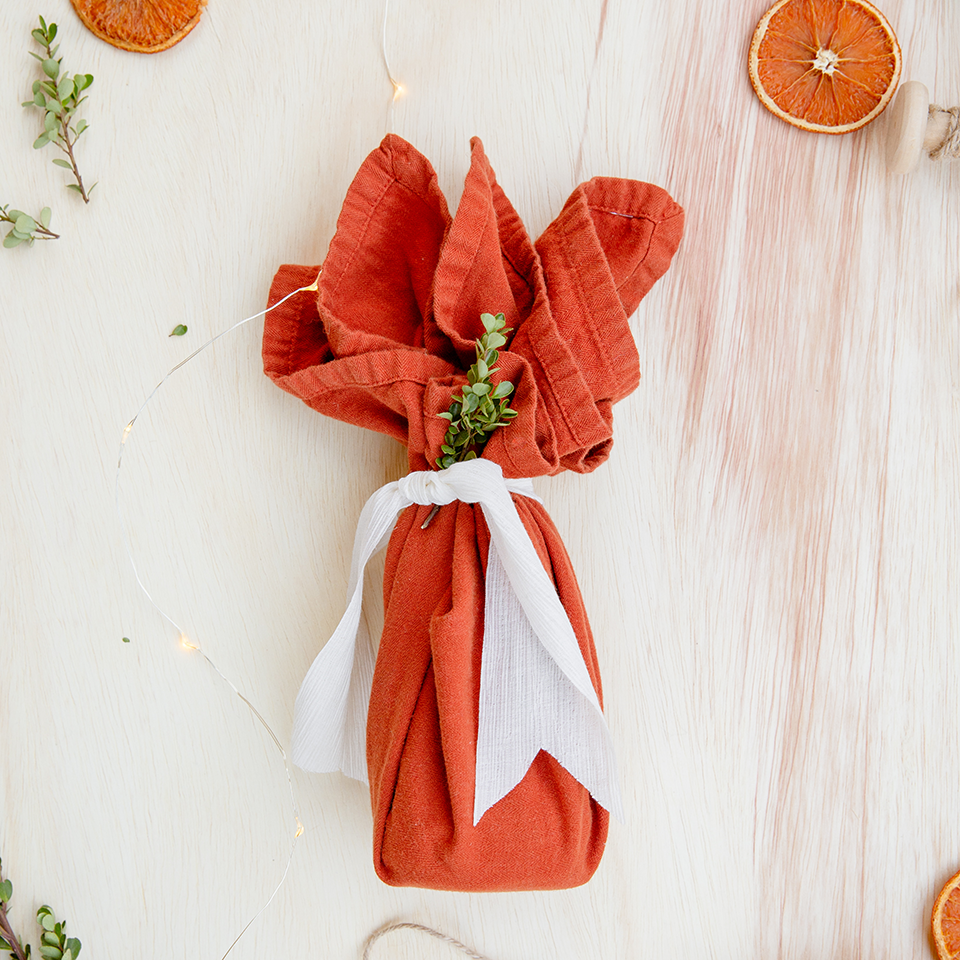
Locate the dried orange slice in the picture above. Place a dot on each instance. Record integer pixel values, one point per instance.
(830, 66)
(946, 920)
(144, 26)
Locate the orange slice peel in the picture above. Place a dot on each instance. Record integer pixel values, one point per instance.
(828, 66)
(946, 920)
(143, 26)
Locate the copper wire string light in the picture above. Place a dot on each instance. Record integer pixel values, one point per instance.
(398, 89)
(184, 640)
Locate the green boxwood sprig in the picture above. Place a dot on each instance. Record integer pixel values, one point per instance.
(483, 406)
(59, 95)
(54, 942)
(26, 229)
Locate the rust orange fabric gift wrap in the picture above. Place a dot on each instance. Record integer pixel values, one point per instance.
(384, 344)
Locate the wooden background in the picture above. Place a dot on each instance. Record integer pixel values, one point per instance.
(769, 557)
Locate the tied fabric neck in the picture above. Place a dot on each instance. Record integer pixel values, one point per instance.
(535, 692)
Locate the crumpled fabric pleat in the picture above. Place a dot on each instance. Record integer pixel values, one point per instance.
(384, 344)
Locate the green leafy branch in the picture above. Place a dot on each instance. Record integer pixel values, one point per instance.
(484, 405)
(26, 229)
(59, 96)
(54, 942)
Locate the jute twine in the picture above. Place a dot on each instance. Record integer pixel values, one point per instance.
(436, 934)
(949, 147)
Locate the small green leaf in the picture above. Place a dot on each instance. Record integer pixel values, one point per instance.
(75, 188)
(60, 162)
(74, 946)
(51, 32)
(51, 123)
(6, 890)
(41, 141)
(51, 68)
(10, 241)
(25, 224)
(81, 126)
(49, 938)
(446, 448)
(178, 331)
(45, 215)
(65, 88)
(45, 918)
(503, 388)
(14, 214)
(481, 388)
(51, 953)
(496, 340)
(39, 36)
(4, 945)
(489, 321)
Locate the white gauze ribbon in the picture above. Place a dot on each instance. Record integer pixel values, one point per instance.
(535, 691)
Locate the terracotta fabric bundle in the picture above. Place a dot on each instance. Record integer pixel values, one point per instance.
(384, 345)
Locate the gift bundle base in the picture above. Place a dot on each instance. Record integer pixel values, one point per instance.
(547, 833)
(521, 844)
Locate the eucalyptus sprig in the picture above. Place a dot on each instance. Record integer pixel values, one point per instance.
(26, 229)
(59, 96)
(54, 942)
(484, 405)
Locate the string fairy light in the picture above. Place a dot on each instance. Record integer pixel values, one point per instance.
(398, 88)
(184, 640)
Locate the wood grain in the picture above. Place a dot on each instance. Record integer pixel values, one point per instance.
(775, 598)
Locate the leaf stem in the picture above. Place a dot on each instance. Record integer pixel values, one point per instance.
(7, 932)
(67, 144)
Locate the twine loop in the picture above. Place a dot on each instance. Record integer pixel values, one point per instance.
(949, 147)
(419, 927)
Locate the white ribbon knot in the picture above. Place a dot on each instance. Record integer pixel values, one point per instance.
(535, 691)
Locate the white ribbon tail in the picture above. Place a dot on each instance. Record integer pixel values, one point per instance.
(330, 714)
(527, 704)
(552, 705)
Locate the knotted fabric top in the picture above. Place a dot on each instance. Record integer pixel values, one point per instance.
(391, 334)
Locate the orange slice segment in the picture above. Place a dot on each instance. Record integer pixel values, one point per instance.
(830, 66)
(144, 26)
(946, 920)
